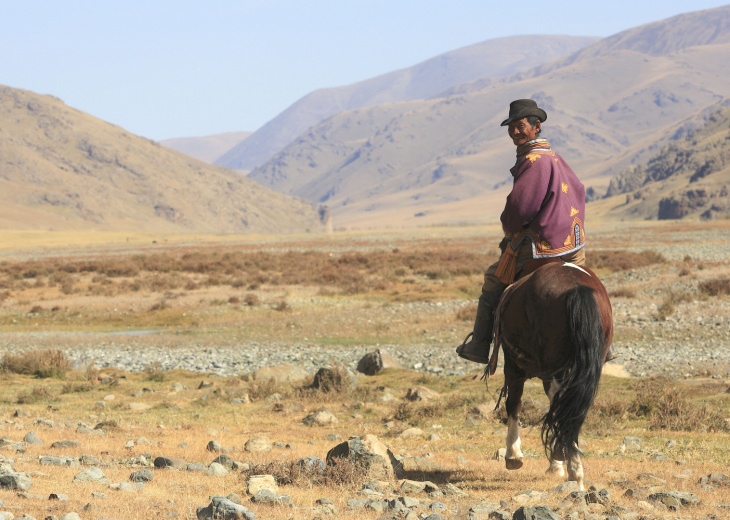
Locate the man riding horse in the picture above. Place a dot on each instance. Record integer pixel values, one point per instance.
(543, 218)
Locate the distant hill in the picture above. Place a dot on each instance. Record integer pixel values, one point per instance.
(63, 169)
(445, 160)
(490, 59)
(207, 148)
(688, 178)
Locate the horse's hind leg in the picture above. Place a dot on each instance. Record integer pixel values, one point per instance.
(575, 470)
(513, 404)
(557, 456)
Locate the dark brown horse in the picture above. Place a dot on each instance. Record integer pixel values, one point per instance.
(554, 324)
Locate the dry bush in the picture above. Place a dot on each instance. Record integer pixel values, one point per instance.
(338, 473)
(667, 407)
(39, 363)
(531, 414)
(622, 260)
(337, 382)
(39, 393)
(251, 299)
(622, 292)
(154, 372)
(467, 313)
(76, 387)
(258, 390)
(715, 287)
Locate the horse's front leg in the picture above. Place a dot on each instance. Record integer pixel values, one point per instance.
(513, 404)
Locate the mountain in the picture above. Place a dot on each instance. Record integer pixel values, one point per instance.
(207, 148)
(687, 178)
(63, 169)
(445, 160)
(490, 59)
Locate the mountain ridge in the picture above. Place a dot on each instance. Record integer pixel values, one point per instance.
(63, 169)
(493, 58)
(605, 112)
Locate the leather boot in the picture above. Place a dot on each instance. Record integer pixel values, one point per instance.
(477, 350)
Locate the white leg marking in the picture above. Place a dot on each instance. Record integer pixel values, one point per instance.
(556, 468)
(513, 439)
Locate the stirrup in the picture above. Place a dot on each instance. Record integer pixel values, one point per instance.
(469, 356)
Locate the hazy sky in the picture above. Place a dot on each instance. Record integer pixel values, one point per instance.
(175, 68)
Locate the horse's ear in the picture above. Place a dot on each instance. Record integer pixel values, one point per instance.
(503, 244)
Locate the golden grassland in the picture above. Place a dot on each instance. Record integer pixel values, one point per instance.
(304, 288)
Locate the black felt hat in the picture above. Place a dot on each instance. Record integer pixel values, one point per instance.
(523, 108)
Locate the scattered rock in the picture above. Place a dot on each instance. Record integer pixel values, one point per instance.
(258, 482)
(421, 393)
(143, 475)
(321, 418)
(92, 474)
(221, 508)
(33, 439)
(369, 453)
(170, 462)
(258, 444)
(375, 362)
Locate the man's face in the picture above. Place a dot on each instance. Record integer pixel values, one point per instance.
(521, 131)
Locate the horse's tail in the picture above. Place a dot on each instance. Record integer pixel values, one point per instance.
(577, 388)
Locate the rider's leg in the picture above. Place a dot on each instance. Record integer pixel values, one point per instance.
(477, 349)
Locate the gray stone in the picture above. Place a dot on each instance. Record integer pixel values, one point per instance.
(265, 496)
(214, 446)
(92, 474)
(367, 452)
(633, 443)
(221, 508)
(57, 496)
(15, 481)
(170, 462)
(320, 418)
(216, 470)
(312, 464)
(32, 438)
(195, 466)
(375, 362)
(66, 444)
(684, 498)
(259, 482)
(70, 516)
(535, 513)
(143, 475)
(258, 444)
(127, 486)
(59, 461)
(224, 460)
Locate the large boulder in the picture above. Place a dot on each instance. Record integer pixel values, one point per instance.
(377, 361)
(368, 453)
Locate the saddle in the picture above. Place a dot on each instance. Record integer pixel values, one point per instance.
(521, 278)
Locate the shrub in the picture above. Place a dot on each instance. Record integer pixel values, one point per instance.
(154, 372)
(715, 287)
(622, 260)
(39, 363)
(667, 408)
(622, 292)
(467, 313)
(39, 393)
